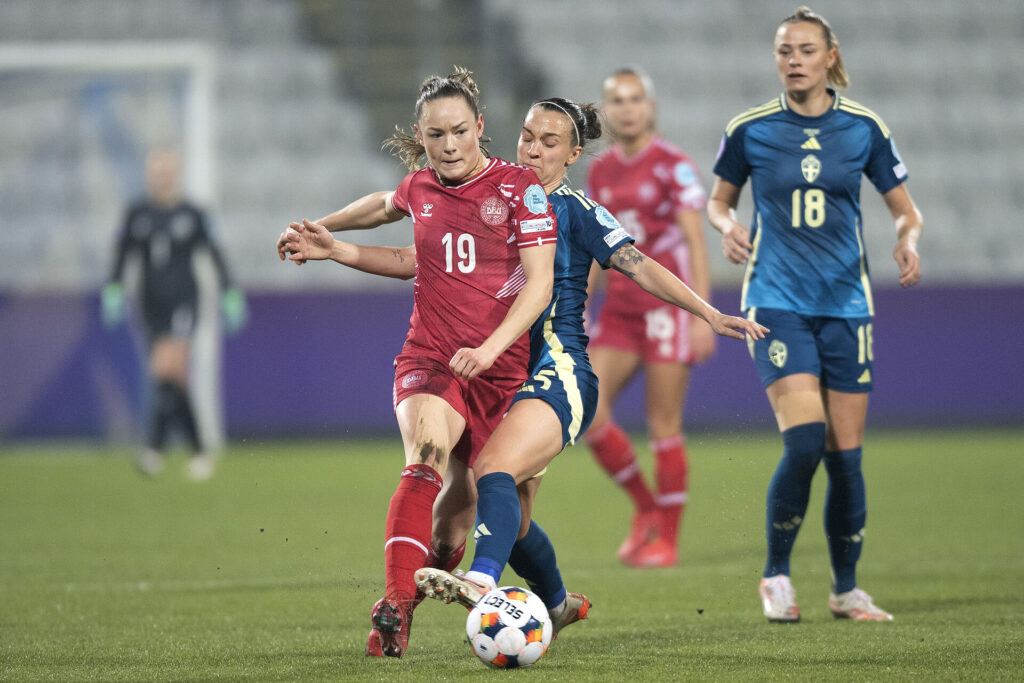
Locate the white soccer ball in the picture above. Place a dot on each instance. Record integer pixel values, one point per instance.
(509, 628)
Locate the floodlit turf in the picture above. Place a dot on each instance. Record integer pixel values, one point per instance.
(268, 571)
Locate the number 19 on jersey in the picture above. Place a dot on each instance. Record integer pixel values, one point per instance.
(464, 247)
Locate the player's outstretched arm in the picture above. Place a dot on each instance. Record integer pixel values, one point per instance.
(722, 203)
(307, 241)
(659, 281)
(691, 223)
(533, 298)
(367, 212)
(909, 223)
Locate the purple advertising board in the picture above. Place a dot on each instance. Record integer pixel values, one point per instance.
(319, 364)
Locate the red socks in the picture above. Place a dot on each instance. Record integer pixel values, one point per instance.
(408, 528)
(614, 452)
(671, 468)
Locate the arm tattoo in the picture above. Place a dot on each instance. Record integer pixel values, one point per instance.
(626, 260)
(398, 255)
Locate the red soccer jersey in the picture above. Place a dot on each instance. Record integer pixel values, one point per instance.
(645, 192)
(468, 270)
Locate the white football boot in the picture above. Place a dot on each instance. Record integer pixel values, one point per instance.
(150, 462)
(576, 608)
(779, 600)
(201, 466)
(441, 585)
(856, 605)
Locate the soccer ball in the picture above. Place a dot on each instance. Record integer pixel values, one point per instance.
(509, 628)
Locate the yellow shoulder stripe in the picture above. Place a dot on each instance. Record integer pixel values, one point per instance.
(587, 203)
(749, 115)
(859, 109)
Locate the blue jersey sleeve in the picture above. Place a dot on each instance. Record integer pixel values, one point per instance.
(600, 234)
(731, 164)
(884, 169)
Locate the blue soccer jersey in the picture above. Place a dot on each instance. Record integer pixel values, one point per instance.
(587, 232)
(560, 372)
(805, 173)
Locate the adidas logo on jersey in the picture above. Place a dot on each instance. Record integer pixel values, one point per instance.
(812, 140)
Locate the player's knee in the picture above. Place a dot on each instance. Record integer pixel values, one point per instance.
(429, 453)
(663, 425)
(484, 466)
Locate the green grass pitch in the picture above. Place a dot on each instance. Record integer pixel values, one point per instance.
(268, 571)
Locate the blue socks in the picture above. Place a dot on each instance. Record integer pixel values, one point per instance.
(845, 513)
(789, 491)
(845, 503)
(497, 523)
(533, 558)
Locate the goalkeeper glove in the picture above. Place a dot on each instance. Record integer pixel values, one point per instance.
(112, 300)
(236, 313)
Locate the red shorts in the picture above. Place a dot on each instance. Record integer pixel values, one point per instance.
(482, 402)
(660, 334)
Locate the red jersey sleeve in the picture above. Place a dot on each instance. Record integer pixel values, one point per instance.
(685, 187)
(533, 217)
(400, 199)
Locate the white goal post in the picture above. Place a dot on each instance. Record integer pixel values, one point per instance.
(75, 112)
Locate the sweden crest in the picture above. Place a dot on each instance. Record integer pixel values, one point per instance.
(777, 353)
(810, 167)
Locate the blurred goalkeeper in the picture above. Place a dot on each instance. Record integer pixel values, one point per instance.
(164, 231)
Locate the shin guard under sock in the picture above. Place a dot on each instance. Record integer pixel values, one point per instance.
(498, 515)
(614, 453)
(789, 491)
(407, 529)
(533, 558)
(845, 514)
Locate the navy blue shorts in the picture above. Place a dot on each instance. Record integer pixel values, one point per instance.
(569, 386)
(836, 350)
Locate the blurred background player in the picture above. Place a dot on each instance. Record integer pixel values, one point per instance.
(484, 247)
(807, 279)
(653, 189)
(164, 231)
(555, 406)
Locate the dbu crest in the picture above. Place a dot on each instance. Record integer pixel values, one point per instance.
(810, 167)
(414, 379)
(777, 353)
(493, 211)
